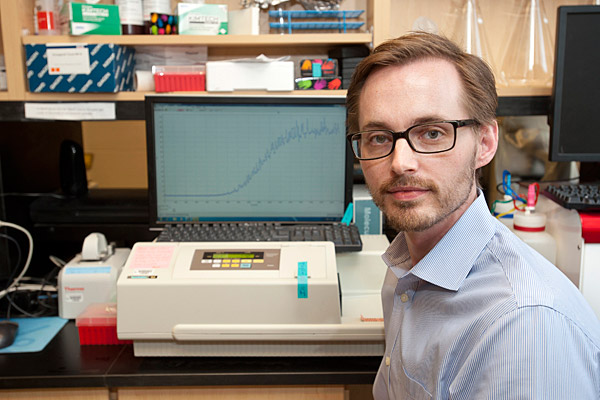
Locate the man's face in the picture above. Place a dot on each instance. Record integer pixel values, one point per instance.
(418, 191)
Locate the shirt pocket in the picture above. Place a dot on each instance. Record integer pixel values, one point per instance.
(403, 386)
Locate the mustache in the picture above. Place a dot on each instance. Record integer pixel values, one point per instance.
(404, 180)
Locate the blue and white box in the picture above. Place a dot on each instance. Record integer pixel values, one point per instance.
(367, 216)
(79, 68)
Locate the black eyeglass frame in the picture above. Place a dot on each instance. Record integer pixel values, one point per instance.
(459, 123)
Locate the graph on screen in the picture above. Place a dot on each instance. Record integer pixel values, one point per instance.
(249, 161)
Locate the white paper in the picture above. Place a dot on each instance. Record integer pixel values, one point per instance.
(71, 111)
(63, 61)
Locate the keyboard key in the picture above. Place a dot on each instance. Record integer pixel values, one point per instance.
(345, 237)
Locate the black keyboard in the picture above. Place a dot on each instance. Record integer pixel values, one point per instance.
(580, 196)
(344, 237)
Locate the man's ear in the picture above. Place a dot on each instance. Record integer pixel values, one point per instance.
(487, 144)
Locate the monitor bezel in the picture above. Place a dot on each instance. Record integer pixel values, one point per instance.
(556, 98)
(151, 100)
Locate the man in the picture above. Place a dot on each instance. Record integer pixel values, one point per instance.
(471, 312)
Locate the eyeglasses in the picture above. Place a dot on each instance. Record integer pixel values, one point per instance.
(428, 138)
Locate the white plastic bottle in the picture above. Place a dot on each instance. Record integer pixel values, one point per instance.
(530, 226)
(503, 209)
(46, 17)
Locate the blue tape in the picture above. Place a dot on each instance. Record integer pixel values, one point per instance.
(87, 270)
(302, 280)
(348, 214)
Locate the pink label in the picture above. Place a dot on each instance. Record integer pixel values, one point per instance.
(152, 257)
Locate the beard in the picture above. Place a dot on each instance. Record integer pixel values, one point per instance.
(406, 216)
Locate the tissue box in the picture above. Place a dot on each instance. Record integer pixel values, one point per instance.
(202, 19)
(79, 68)
(90, 19)
(367, 216)
(227, 76)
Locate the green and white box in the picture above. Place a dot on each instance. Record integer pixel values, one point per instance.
(202, 19)
(90, 19)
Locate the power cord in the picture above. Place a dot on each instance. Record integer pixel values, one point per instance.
(15, 282)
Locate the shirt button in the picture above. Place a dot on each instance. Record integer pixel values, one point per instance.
(404, 297)
(387, 361)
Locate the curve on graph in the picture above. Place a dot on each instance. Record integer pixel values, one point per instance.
(299, 131)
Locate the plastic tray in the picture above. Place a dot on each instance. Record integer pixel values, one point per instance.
(184, 78)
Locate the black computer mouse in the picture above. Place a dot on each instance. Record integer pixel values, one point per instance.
(8, 333)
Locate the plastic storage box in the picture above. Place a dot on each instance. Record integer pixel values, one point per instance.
(97, 324)
(179, 78)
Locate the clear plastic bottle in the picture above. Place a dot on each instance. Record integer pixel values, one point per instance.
(529, 57)
(466, 27)
(45, 15)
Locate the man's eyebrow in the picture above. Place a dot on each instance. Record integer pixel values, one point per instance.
(428, 118)
(371, 125)
(374, 125)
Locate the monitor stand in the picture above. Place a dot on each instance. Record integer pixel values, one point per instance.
(589, 172)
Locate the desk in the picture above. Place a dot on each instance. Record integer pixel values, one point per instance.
(97, 372)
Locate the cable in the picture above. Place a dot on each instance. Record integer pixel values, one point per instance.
(56, 196)
(27, 261)
(18, 247)
(506, 185)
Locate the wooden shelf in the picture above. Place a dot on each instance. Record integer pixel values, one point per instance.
(213, 41)
(139, 96)
(523, 91)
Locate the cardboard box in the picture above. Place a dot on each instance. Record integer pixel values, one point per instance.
(79, 68)
(202, 19)
(90, 19)
(367, 216)
(227, 76)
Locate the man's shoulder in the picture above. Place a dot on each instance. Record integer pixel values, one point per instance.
(536, 283)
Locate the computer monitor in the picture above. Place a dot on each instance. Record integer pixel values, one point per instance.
(574, 116)
(247, 158)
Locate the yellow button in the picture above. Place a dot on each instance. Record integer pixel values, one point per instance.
(387, 361)
(235, 265)
(237, 260)
(259, 261)
(404, 297)
(225, 265)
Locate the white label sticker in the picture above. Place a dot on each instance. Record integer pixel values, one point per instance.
(68, 61)
(143, 272)
(71, 111)
(74, 297)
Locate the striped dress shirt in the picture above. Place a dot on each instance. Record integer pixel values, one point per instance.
(484, 316)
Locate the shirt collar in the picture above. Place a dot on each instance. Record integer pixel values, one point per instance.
(451, 260)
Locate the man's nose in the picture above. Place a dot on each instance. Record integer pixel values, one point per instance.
(404, 159)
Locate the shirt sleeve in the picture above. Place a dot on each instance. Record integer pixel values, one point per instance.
(530, 353)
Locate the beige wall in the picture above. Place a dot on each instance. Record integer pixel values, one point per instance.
(116, 153)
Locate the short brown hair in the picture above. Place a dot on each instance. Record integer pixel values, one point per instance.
(479, 96)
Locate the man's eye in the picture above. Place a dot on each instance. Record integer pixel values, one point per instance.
(432, 134)
(379, 139)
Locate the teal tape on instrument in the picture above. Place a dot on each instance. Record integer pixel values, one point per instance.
(348, 214)
(302, 280)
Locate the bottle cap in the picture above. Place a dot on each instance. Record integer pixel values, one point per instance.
(529, 221)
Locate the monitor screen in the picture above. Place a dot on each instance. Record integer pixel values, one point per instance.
(243, 158)
(574, 116)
